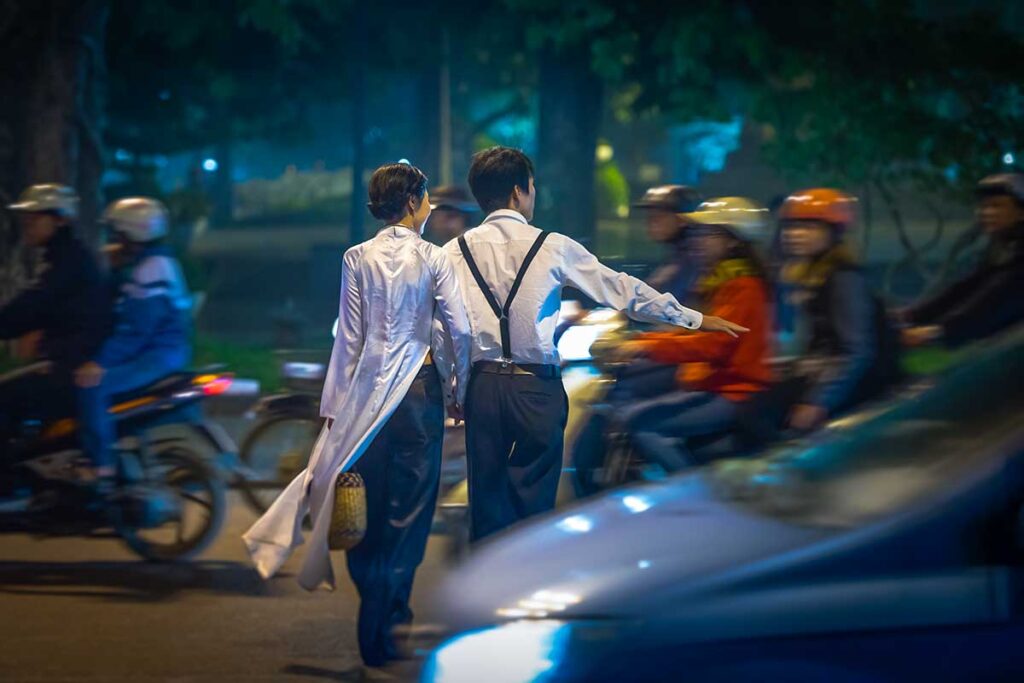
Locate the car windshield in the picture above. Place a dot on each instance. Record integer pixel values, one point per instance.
(912, 450)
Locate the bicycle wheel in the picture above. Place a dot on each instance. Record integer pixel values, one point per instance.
(275, 451)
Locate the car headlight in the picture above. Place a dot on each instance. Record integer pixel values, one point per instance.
(526, 651)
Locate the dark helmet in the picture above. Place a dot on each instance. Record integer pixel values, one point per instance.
(1011, 184)
(453, 198)
(674, 198)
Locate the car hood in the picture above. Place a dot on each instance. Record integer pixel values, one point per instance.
(618, 556)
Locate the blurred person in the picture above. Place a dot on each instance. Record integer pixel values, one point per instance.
(991, 297)
(852, 353)
(63, 315)
(384, 400)
(516, 406)
(452, 211)
(664, 208)
(717, 374)
(151, 337)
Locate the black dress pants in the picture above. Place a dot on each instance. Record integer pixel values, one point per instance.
(401, 470)
(515, 430)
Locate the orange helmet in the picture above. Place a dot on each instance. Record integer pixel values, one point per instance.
(819, 204)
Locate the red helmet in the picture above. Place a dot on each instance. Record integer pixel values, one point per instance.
(819, 204)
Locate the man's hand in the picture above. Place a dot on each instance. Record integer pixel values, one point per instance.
(89, 375)
(920, 336)
(27, 347)
(455, 412)
(806, 417)
(714, 324)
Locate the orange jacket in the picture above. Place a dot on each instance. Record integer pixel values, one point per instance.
(714, 361)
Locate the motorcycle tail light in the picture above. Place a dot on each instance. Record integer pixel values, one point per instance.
(213, 385)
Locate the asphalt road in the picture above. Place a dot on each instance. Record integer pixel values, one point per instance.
(75, 609)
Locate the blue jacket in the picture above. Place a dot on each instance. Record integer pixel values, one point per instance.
(152, 317)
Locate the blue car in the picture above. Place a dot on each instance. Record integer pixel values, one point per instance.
(891, 548)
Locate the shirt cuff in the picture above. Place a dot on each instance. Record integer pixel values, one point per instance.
(688, 318)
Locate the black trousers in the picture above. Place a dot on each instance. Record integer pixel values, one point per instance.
(638, 381)
(401, 469)
(515, 430)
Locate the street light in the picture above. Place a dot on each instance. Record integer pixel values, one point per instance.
(210, 165)
(1008, 158)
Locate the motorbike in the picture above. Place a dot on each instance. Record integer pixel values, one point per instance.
(168, 501)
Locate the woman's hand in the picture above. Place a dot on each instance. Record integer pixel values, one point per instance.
(89, 375)
(806, 417)
(26, 348)
(920, 336)
(455, 413)
(715, 324)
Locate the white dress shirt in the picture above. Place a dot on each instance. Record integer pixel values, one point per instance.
(499, 246)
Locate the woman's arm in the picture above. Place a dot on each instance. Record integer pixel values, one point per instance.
(348, 345)
(452, 310)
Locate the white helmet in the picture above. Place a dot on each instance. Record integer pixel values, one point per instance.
(139, 219)
(744, 218)
(48, 198)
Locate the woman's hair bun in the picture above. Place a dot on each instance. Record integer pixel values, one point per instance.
(382, 211)
(390, 188)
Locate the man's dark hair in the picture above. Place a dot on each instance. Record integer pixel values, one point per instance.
(390, 188)
(495, 172)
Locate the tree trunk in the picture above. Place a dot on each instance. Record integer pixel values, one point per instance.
(359, 52)
(428, 150)
(570, 114)
(62, 99)
(223, 182)
(52, 115)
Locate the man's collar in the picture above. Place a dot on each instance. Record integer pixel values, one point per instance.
(507, 213)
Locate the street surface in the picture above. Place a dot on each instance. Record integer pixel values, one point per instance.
(78, 609)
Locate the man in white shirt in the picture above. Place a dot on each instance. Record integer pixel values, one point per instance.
(512, 275)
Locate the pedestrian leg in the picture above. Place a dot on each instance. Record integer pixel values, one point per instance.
(413, 480)
(488, 445)
(537, 414)
(365, 561)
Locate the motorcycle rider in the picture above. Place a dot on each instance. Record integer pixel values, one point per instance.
(664, 208)
(151, 338)
(716, 374)
(452, 211)
(65, 312)
(853, 351)
(989, 298)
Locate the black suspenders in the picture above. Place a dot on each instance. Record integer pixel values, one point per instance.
(502, 312)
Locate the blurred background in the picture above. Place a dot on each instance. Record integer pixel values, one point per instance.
(259, 121)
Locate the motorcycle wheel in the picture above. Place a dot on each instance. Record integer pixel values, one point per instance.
(275, 451)
(200, 497)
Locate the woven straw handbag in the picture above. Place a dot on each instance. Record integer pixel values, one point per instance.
(348, 519)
